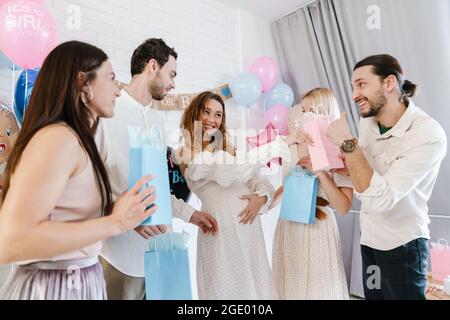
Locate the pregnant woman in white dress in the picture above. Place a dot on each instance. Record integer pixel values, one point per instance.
(231, 263)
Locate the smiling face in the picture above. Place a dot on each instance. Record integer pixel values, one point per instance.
(8, 133)
(212, 116)
(204, 122)
(368, 92)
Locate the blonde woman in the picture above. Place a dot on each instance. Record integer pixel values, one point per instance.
(307, 259)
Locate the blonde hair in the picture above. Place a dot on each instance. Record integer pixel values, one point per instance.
(324, 101)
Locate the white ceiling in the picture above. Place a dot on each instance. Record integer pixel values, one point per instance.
(267, 9)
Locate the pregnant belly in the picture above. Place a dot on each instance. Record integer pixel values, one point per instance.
(217, 200)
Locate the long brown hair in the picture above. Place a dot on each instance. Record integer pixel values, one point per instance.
(194, 113)
(56, 98)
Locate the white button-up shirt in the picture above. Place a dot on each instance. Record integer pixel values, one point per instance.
(406, 162)
(126, 252)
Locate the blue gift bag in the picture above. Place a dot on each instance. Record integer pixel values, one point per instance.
(167, 275)
(299, 199)
(148, 157)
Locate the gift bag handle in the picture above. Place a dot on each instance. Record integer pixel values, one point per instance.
(154, 244)
(171, 242)
(160, 143)
(134, 136)
(183, 230)
(298, 171)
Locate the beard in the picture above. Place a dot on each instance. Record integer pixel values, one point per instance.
(375, 105)
(157, 89)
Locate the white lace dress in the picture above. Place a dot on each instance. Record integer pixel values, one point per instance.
(307, 259)
(233, 264)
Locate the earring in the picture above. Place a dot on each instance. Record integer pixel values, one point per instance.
(91, 94)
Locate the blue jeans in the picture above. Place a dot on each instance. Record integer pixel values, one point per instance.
(400, 273)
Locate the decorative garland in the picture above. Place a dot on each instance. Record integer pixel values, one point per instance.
(182, 101)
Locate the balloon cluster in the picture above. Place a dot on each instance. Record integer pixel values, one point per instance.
(263, 79)
(28, 31)
(28, 34)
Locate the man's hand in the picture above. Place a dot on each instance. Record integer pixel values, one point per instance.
(339, 130)
(151, 231)
(250, 212)
(204, 221)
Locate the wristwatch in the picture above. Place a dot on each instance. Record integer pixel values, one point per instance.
(349, 145)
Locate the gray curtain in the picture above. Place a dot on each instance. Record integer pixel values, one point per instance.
(418, 34)
(319, 44)
(312, 52)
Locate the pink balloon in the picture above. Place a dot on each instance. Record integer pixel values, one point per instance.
(28, 33)
(268, 72)
(278, 116)
(40, 2)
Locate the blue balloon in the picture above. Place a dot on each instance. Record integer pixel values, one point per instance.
(281, 94)
(246, 88)
(22, 95)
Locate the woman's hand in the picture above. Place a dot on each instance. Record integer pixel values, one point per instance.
(276, 198)
(305, 162)
(130, 208)
(299, 136)
(255, 202)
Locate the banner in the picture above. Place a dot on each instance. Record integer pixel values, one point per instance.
(182, 101)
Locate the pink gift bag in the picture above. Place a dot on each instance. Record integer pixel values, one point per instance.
(440, 260)
(324, 154)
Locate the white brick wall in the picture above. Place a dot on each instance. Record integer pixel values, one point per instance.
(205, 34)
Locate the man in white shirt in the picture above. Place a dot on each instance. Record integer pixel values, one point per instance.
(393, 166)
(153, 69)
